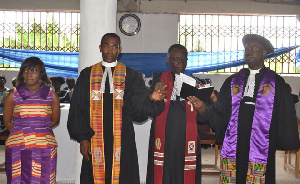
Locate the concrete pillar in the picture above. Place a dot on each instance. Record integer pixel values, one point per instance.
(97, 17)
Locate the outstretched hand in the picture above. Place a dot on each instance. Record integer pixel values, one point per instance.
(160, 92)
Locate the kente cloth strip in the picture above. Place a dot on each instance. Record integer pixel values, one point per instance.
(31, 145)
(259, 140)
(255, 175)
(96, 109)
(191, 138)
(31, 165)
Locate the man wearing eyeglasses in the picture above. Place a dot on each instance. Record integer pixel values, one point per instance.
(174, 148)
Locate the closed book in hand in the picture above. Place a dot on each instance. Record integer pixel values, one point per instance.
(202, 93)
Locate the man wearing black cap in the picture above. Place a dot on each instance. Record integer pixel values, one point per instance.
(253, 115)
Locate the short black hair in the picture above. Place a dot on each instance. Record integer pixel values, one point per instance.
(70, 79)
(176, 46)
(30, 63)
(60, 79)
(114, 35)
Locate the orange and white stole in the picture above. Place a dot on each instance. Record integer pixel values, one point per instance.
(96, 116)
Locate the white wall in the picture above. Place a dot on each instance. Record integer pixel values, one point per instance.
(9, 75)
(294, 83)
(157, 33)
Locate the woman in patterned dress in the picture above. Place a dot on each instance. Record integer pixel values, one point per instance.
(30, 112)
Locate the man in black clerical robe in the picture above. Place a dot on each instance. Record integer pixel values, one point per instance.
(174, 154)
(136, 99)
(253, 116)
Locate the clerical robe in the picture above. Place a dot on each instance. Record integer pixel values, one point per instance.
(282, 133)
(136, 97)
(175, 143)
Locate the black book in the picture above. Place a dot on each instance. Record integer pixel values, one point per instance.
(202, 93)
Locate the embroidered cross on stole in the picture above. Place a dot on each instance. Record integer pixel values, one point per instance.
(259, 138)
(190, 139)
(96, 116)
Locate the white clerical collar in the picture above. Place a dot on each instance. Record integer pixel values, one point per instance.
(249, 89)
(253, 72)
(112, 64)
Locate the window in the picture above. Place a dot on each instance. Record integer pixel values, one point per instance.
(212, 33)
(48, 31)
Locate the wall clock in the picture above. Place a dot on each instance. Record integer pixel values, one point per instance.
(129, 24)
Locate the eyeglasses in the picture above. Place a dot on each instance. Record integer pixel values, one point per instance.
(177, 59)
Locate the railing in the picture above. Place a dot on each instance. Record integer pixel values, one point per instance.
(224, 33)
(49, 31)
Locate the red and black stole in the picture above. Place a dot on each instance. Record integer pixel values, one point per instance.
(191, 137)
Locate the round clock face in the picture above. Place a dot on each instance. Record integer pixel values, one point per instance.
(129, 24)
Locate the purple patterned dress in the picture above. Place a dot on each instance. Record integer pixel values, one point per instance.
(31, 145)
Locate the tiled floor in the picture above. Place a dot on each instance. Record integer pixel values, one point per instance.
(283, 177)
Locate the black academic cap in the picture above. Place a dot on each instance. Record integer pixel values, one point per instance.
(60, 79)
(262, 40)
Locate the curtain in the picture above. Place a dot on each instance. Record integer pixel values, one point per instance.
(66, 63)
